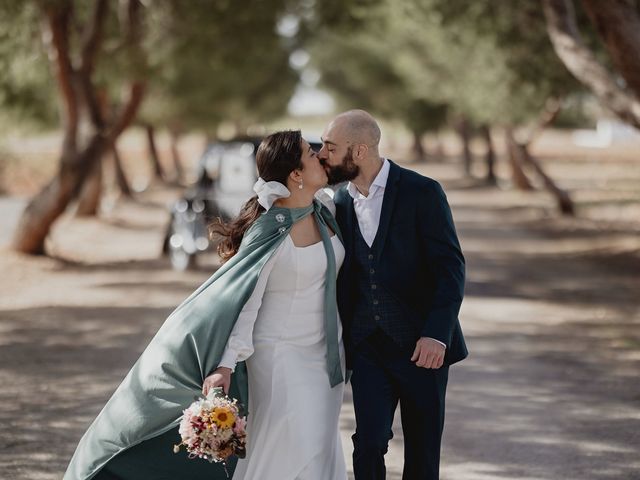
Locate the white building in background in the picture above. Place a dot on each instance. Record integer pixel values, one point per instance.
(607, 133)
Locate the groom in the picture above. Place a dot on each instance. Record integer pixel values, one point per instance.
(399, 293)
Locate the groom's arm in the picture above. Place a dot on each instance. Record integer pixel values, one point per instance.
(444, 257)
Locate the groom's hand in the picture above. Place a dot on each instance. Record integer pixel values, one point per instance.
(429, 353)
(221, 377)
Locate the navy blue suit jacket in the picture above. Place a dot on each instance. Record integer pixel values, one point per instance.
(420, 260)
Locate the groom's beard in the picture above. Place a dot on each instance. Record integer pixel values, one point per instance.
(347, 170)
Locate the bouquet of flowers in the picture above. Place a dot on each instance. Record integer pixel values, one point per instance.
(212, 428)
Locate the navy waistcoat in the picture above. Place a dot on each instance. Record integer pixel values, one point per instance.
(374, 306)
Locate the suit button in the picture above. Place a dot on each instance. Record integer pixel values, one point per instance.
(375, 302)
(370, 257)
(374, 286)
(377, 317)
(372, 271)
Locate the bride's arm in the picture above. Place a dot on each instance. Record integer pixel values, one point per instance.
(240, 343)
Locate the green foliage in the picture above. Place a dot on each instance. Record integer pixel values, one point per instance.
(203, 61)
(225, 61)
(365, 70)
(423, 115)
(512, 38)
(489, 61)
(27, 94)
(357, 70)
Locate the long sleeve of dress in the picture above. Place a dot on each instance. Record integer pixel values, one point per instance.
(240, 344)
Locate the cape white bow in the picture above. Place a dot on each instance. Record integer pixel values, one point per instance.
(269, 192)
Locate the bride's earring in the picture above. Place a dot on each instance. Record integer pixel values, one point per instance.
(300, 186)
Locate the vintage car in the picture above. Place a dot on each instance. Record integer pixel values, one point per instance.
(226, 173)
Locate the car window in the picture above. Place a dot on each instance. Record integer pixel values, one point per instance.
(237, 169)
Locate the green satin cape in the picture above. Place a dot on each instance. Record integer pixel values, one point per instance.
(169, 374)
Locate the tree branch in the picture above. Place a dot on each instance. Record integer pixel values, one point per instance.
(93, 35)
(89, 52)
(57, 43)
(133, 36)
(128, 12)
(131, 14)
(552, 108)
(581, 62)
(618, 24)
(128, 112)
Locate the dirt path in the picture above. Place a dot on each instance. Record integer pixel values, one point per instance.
(551, 389)
(551, 316)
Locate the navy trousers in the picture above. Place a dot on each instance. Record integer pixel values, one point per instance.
(383, 376)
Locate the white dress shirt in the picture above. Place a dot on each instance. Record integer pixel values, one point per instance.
(369, 208)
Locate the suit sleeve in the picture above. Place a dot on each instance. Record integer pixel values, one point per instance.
(240, 344)
(444, 257)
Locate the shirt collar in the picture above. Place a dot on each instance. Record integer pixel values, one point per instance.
(380, 181)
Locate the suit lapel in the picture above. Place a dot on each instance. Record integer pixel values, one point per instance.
(388, 202)
(350, 220)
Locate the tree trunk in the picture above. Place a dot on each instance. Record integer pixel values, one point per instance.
(158, 171)
(419, 154)
(121, 177)
(89, 201)
(518, 177)
(464, 131)
(43, 209)
(583, 64)
(175, 155)
(552, 108)
(51, 202)
(439, 154)
(91, 191)
(565, 204)
(490, 156)
(77, 91)
(618, 24)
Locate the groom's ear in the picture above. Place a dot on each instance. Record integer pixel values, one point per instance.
(361, 151)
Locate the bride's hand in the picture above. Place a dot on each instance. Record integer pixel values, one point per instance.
(221, 377)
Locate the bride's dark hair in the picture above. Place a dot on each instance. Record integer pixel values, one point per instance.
(278, 155)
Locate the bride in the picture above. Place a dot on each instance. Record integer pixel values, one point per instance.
(264, 327)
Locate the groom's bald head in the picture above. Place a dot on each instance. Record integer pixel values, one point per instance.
(350, 142)
(359, 127)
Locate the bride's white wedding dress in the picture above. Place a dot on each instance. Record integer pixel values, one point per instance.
(292, 428)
